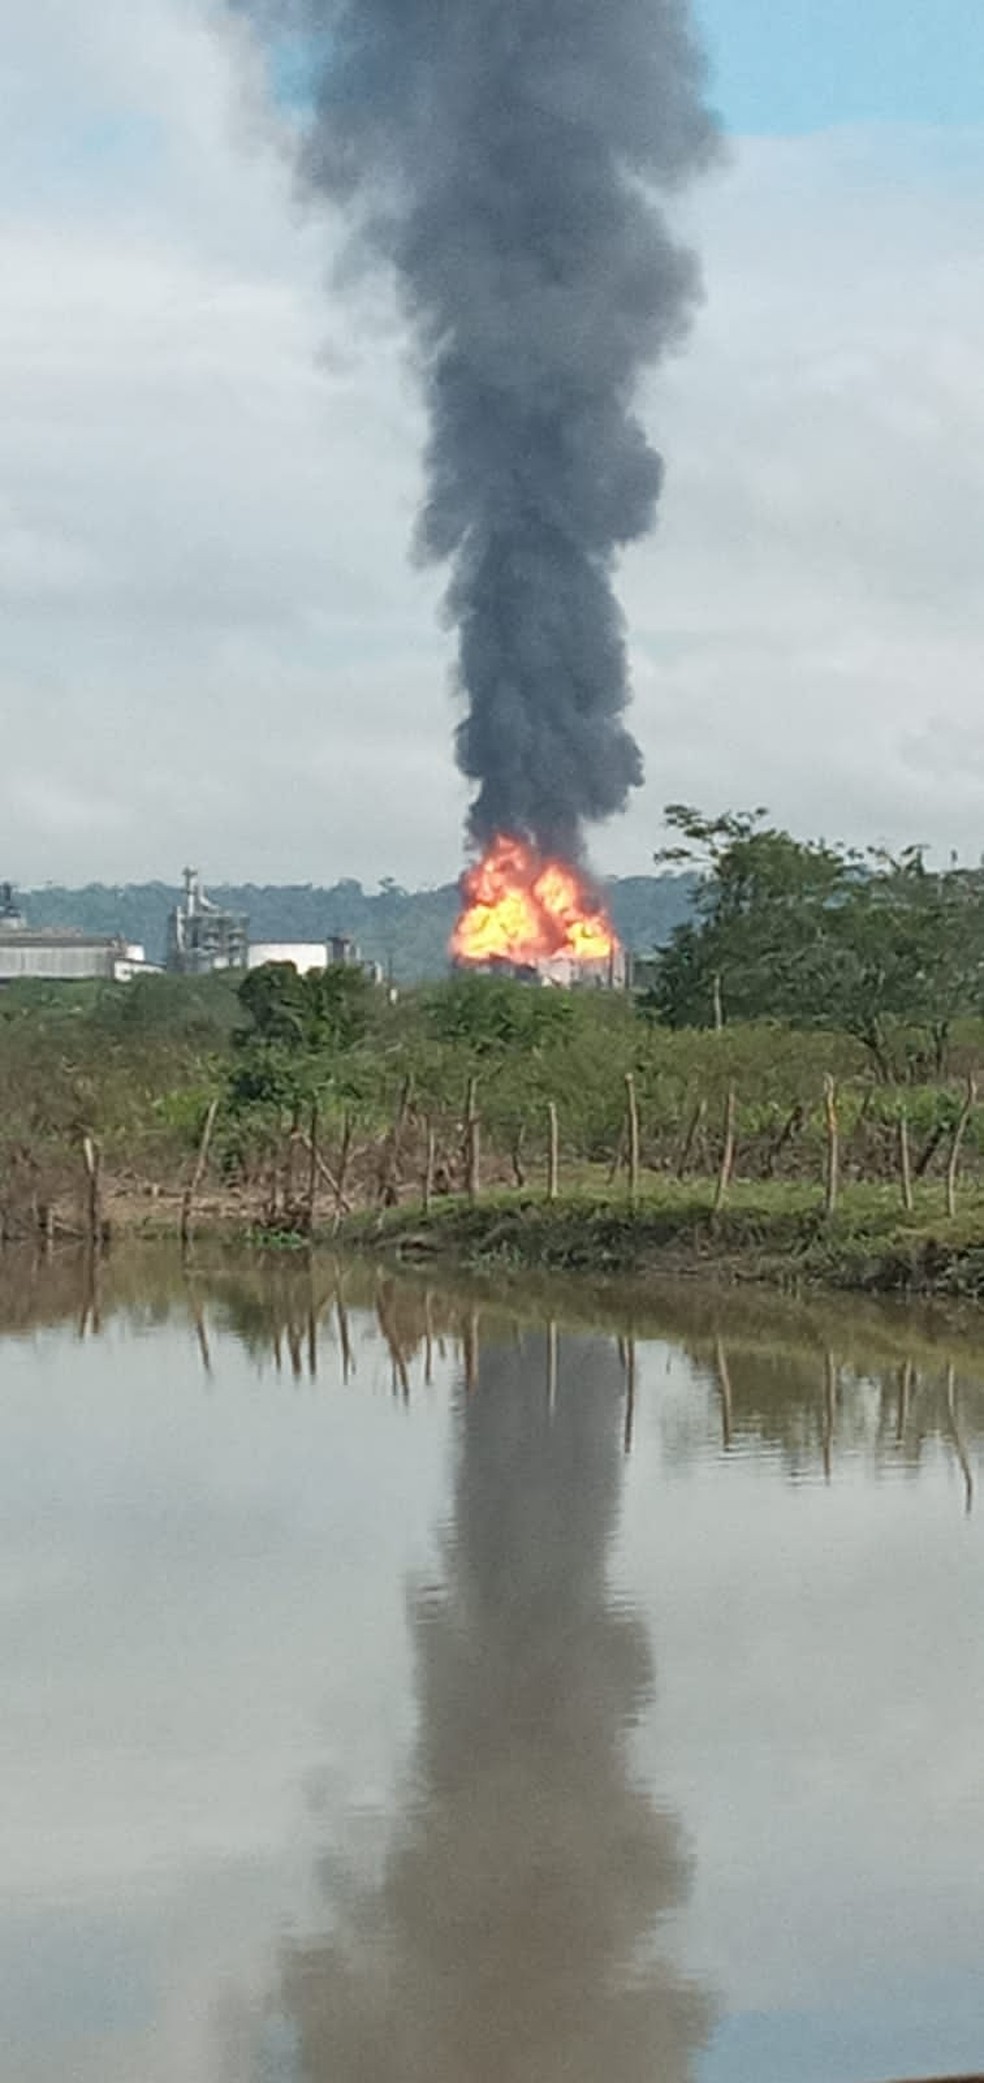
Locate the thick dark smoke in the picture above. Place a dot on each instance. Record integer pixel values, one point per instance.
(504, 158)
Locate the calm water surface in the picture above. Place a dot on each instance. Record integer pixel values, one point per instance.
(402, 1684)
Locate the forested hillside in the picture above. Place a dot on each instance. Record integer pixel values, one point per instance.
(406, 930)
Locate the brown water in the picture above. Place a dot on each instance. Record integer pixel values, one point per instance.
(408, 1684)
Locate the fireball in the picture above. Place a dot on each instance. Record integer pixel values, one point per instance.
(522, 908)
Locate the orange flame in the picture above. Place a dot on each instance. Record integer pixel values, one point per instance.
(523, 909)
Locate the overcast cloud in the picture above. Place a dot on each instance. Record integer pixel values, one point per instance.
(212, 642)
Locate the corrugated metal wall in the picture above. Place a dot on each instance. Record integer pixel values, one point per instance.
(58, 963)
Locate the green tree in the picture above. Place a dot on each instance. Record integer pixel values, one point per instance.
(328, 1009)
(798, 931)
(493, 1016)
(762, 910)
(910, 954)
(300, 1029)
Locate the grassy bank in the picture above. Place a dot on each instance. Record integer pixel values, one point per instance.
(768, 1232)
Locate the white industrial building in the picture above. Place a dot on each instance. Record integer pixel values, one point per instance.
(566, 973)
(60, 955)
(305, 955)
(63, 957)
(309, 956)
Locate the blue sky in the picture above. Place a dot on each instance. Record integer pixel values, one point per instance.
(785, 67)
(782, 66)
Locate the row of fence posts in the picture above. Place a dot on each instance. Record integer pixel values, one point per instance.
(629, 1148)
(832, 1166)
(628, 1153)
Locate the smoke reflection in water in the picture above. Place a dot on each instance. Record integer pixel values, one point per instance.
(513, 1930)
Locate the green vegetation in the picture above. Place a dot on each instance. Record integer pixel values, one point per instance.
(875, 946)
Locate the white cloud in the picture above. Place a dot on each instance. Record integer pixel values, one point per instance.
(212, 641)
(812, 622)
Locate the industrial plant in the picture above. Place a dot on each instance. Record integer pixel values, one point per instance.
(48, 954)
(203, 939)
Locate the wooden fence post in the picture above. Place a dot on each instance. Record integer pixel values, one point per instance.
(312, 1181)
(832, 1179)
(430, 1165)
(553, 1161)
(905, 1162)
(728, 1151)
(473, 1143)
(293, 1134)
(959, 1132)
(91, 1158)
(633, 1121)
(188, 1198)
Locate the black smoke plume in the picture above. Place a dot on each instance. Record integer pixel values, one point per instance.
(507, 159)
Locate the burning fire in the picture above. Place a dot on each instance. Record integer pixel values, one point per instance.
(521, 908)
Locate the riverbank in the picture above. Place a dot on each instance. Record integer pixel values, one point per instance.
(774, 1233)
(769, 1232)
